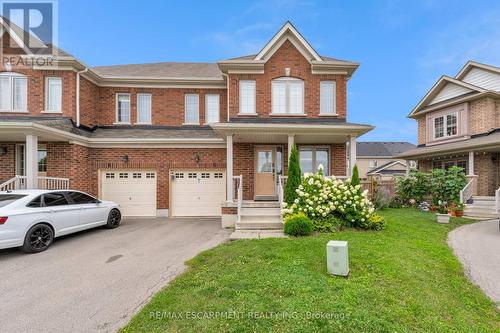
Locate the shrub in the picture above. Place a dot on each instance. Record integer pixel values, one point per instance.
(328, 224)
(438, 189)
(414, 186)
(298, 225)
(294, 177)
(454, 182)
(320, 197)
(375, 222)
(382, 199)
(355, 176)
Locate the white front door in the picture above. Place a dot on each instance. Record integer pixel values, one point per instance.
(133, 190)
(197, 192)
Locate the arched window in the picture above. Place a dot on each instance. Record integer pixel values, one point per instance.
(287, 96)
(13, 92)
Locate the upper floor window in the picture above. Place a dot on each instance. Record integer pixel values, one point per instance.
(327, 98)
(287, 96)
(445, 126)
(123, 108)
(53, 94)
(373, 163)
(13, 92)
(212, 108)
(143, 108)
(247, 97)
(192, 109)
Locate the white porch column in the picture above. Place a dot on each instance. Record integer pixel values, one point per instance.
(471, 163)
(291, 139)
(352, 154)
(229, 167)
(31, 159)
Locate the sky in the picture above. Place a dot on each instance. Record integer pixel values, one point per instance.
(403, 46)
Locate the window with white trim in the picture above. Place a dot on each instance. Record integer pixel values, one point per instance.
(310, 159)
(53, 94)
(192, 109)
(13, 92)
(287, 96)
(247, 97)
(373, 163)
(123, 108)
(144, 108)
(327, 98)
(445, 126)
(212, 108)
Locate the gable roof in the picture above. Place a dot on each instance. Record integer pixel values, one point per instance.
(382, 149)
(387, 165)
(471, 64)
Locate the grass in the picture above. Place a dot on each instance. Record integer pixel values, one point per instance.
(402, 279)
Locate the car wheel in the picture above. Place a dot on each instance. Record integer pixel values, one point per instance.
(38, 238)
(114, 219)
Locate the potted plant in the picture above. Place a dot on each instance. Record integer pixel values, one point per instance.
(442, 213)
(458, 209)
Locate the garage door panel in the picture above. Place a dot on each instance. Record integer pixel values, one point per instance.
(134, 191)
(197, 193)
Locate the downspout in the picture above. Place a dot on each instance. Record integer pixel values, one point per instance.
(227, 92)
(78, 95)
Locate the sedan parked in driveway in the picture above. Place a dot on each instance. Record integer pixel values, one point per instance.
(32, 219)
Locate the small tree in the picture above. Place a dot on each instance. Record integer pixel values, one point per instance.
(294, 176)
(355, 176)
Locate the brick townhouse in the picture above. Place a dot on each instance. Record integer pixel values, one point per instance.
(178, 139)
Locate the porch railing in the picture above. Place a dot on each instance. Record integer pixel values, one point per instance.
(467, 191)
(281, 193)
(239, 194)
(497, 201)
(44, 183)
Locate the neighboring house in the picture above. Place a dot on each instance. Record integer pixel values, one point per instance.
(378, 159)
(169, 138)
(459, 124)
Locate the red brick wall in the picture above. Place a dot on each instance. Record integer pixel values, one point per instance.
(338, 159)
(89, 102)
(36, 92)
(287, 57)
(7, 162)
(167, 104)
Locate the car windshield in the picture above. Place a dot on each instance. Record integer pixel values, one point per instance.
(7, 199)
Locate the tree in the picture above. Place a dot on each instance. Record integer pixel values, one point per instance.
(355, 176)
(294, 176)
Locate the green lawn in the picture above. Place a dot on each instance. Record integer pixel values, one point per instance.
(402, 279)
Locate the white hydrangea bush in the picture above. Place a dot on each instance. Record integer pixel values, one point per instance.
(320, 197)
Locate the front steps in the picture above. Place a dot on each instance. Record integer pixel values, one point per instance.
(481, 208)
(259, 219)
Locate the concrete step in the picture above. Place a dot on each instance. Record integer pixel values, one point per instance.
(480, 209)
(256, 234)
(260, 204)
(259, 211)
(483, 198)
(259, 226)
(481, 204)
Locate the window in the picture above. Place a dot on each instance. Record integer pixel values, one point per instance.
(247, 97)
(35, 203)
(287, 96)
(42, 159)
(205, 175)
(327, 98)
(150, 175)
(450, 163)
(373, 164)
(445, 126)
(123, 175)
(136, 175)
(79, 198)
(218, 175)
(192, 109)
(53, 94)
(7, 199)
(110, 175)
(21, 160)
(13, 92)
(54, 199)
(123, 108)
(192, 175)
(212, 108)
(312, 157)
(144, 108)
(179, 175)
(437, 164)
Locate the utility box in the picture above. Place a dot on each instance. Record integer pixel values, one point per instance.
(337, 258)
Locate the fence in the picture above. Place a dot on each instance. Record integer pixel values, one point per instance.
(382, 185)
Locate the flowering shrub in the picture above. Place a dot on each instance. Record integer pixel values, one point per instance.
(320, 197)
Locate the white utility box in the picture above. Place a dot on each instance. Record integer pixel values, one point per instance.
(337, 258)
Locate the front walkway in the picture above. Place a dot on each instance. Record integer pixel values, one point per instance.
(96, 280)
(478, 248)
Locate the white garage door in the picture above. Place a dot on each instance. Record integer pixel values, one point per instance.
(134, 191)
(197, 193)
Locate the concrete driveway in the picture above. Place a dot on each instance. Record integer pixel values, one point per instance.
(96, 280)
(478, 248)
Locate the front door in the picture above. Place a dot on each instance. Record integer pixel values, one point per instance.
(265, 172)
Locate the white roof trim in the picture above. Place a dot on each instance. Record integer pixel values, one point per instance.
(376, 170)
(437, 87)
(471, 64)
(280, 36)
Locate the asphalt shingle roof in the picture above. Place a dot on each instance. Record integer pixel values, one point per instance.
(163, 69)
(381, 148)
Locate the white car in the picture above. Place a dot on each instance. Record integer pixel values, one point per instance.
(32, 219)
